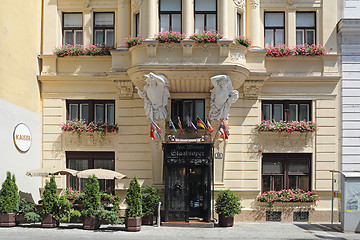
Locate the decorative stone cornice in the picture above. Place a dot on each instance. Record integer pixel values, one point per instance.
(240, 4)
(255, 3)
(252, 88)
(136, 3)
(125, 88)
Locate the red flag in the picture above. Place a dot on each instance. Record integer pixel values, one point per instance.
(152, 130)
(225, 124)
(208, 126)
(180, 125)
(224, 134)
(156, 126)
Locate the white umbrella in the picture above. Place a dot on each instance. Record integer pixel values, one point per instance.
(44, 172)
(100, 174)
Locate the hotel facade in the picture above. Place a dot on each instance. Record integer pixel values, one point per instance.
(190, 168)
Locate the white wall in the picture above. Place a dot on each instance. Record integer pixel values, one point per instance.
(349, 39)
(10, 158)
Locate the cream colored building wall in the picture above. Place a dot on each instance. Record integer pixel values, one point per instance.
(20, 41)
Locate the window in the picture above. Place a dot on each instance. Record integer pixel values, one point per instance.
(205, 15)
(185, 108)
(89, 160)
(104, 28)
(285, 171)
(170, 15)
(305, 28)
(72, 28)
(92, 110)
(137, 24)
(238, 24)
(286, 110)
(274, 29)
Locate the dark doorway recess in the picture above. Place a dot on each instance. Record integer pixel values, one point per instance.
(188, 168)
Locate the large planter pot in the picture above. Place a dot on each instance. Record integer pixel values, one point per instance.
(133, 224)
(48, 221)
(7, 220)
(20, 218)
(226, 221)
(149, 220)
(91, 223)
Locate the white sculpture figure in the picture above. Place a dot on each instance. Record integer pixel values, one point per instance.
(222, 96)
(156, 96)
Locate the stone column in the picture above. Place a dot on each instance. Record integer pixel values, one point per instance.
(188, 17)
(290, 31)
(123, 22)
(88, 27)
(254, 24)
(224, 15)
(151, 22)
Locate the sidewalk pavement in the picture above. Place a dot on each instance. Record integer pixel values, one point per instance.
(267, 230)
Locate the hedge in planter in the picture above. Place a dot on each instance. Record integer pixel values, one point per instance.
(150, 202)
(9, 201)
(227, 206)
(134, 210)
(91, 204)
(50, 204)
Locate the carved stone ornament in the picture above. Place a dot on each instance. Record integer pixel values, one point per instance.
(125, 88)
(240, 4)
(86, 140)
(291, 2)
(252, 88)
(255, 3)
(87, 3)
(156, 96)
(136, 3)
(222, 96)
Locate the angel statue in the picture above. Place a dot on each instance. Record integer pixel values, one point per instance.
(156, 96)
(222, 96)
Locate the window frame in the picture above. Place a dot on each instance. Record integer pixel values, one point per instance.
(91, 157)
(285, 159)
(72, 29)
(137, 24)
(170, 13)
(305, 28)
(91, 108)
(238, 23)
(205, 13)
(275, 28)
(184, 121)
(103, 28)
(286, 108)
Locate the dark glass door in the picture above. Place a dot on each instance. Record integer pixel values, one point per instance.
(178, 194)
(196, 192)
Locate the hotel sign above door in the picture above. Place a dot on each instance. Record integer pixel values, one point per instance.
(22, 137)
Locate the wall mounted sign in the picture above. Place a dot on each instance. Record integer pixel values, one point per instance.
(22, 137)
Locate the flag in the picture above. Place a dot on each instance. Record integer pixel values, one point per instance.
(200, 123)
(172, 124)
(223, 132)
(225, 124)
(208, 126)
(180, 125)
(158, 129)
(190, 124)
(152, 131)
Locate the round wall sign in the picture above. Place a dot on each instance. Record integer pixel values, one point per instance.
(22, 137)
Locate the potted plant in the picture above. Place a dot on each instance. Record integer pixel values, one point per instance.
(134, 210)
(109, 217)
(227, 205)
(50, 204)
(64, 210)
(9, 201)
(150, 202)
(91, 204)
(26, 212)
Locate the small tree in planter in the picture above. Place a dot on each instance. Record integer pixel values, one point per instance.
(50, 204)
(134, 210)
(9, 201)
(91, 204)
(227, 206)
(150, 201)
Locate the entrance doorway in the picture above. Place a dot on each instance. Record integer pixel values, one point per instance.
(187, 171)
